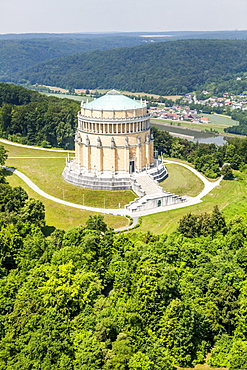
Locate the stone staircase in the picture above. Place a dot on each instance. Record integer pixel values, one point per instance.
(154, 201)
(151, 194)
(158, 173)
(148, 184)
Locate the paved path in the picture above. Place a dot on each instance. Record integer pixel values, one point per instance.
(119, 212)
(36, 157)
(4, 141)
(134, 223)
(208, 186)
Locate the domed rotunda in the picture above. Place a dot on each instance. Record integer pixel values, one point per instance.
(113, 143)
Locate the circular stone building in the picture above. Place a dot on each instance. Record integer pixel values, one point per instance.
(112, 143)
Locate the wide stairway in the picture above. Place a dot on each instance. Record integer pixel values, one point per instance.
(152, 197)
(148, 184)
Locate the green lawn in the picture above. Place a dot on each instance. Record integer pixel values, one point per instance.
(230, 196)
(64, 217)
(220, 119)
(104, 91)
(46, 173)
(17, 151)
(182, 181)
(68, 96)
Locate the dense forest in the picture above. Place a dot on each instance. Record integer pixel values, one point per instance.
(92, 299)
(19, 53)
(164, 68)
(31, 118)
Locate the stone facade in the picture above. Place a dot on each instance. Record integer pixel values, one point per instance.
(112, 142)
(114, 150)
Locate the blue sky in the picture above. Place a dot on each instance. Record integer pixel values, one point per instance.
(21, 16)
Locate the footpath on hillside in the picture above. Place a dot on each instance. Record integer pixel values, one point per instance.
(208, 186)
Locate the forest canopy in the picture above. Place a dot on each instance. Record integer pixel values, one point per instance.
(165, 68)
(21, 51)
(29, 117)
(88, 298)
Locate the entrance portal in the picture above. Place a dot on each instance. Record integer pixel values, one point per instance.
(132, 166)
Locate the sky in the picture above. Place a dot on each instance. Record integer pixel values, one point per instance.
(58, 16)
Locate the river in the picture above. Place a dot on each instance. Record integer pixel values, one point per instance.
(192, 135)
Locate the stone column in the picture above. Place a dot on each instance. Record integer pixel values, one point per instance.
(147, 145)
(87, 153)
(113, 154)
(126, 155)
(138, 154)
(99, 155)
(77, 158)
(81, 154)
(151, 149)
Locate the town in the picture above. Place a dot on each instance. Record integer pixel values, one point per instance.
(186, 110)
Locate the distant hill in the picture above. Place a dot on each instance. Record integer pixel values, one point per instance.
(171, 35)
(21, 51)
(174, 67)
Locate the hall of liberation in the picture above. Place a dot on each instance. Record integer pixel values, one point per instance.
(114, 148)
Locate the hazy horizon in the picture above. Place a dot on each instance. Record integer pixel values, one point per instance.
(112, 16)
(152, 33)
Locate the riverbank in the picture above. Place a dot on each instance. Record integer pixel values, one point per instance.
(192, 133)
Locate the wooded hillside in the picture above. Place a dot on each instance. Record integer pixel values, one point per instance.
(29, 117)
(165, 68)
(19, 53)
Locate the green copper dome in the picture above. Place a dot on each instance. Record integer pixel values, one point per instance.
(114, 101)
